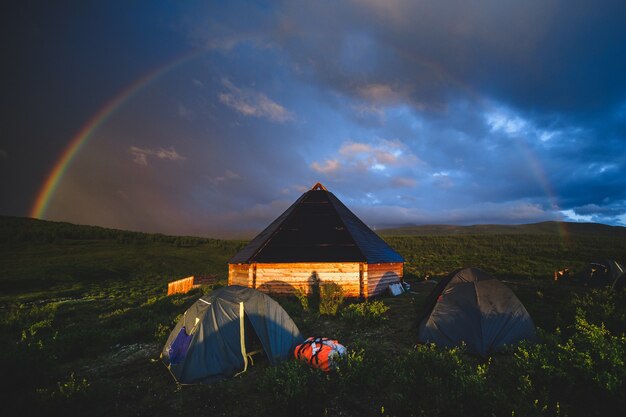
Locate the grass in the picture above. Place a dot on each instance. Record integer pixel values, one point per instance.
(83, 317)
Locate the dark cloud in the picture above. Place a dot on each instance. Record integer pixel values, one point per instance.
(538, 56)
(411, 112)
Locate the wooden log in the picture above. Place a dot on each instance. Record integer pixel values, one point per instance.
(180, 286)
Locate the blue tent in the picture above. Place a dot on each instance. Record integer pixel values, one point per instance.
(212, 340)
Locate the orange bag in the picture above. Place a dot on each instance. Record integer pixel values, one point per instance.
(319, 352)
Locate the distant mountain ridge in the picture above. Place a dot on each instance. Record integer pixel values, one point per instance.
(542, 228)
(28, 229)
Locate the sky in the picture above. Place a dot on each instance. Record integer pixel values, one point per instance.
(210, 118)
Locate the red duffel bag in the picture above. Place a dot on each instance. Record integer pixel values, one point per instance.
(319, 352)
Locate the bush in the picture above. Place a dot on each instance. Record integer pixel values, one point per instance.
(286, 382)
(303, 298)
(72, 387)
(368, 312)
(430, 381)
(602, 306)
(581, 375)
(290, 305)
(331, 298)
(162, 332)
(294, 388)
(358, 377)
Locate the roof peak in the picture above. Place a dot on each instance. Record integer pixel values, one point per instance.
(318, 186)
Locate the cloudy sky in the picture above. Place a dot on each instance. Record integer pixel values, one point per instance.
(210, 118)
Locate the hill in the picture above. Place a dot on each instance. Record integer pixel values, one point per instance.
(542, 228)
(44, 259)
(84, 314)
(24, 229)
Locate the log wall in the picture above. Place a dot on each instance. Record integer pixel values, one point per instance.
(238, 275)
(380, 276)
(284, 278)
(356, 279)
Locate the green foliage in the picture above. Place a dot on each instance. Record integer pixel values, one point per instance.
(580, 375)
(207, 289)
(358, 373)
(293, 388)
(439, 382)
(72, 387)
(331, 298)
(505, 255)
(602, 306)
(286, 382)
(368, 312)
(35, 325)
(162, 332)
(85, 261)
(303, 298)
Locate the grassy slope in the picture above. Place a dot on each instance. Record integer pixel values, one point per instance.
(96, 311)
(40, 259)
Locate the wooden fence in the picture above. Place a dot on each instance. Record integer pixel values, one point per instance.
(185, 285)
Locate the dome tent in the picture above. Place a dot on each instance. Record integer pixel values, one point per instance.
(213, 338)
(605, 273)
(470, 306)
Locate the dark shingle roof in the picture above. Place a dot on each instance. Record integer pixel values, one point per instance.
(317, 228)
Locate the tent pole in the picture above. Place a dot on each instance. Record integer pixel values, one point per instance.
(242, 338)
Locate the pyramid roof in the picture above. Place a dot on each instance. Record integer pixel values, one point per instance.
(317, 228)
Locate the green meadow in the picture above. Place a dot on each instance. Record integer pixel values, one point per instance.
(84, 315)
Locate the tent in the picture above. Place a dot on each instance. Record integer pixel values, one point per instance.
(470, 306)
(216, 336)
(316, 240)
(602, 274)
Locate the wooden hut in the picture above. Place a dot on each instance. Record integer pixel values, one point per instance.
(317, 240)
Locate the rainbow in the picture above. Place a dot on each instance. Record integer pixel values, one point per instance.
(59, 169)
(61, 165)
(542, 178)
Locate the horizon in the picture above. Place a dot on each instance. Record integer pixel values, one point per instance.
(211, 119)
(251, 234)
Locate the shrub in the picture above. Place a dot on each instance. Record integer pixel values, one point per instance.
(72, 387)
(602, 306)
(206, 289)
(162, 332)
(294, 388)
(303, 298)
(358, 374)
(290, 305)
(439, 382)
(331, 298)
(368, 312)
(69, 397)
(580, 375)
(287, 382)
